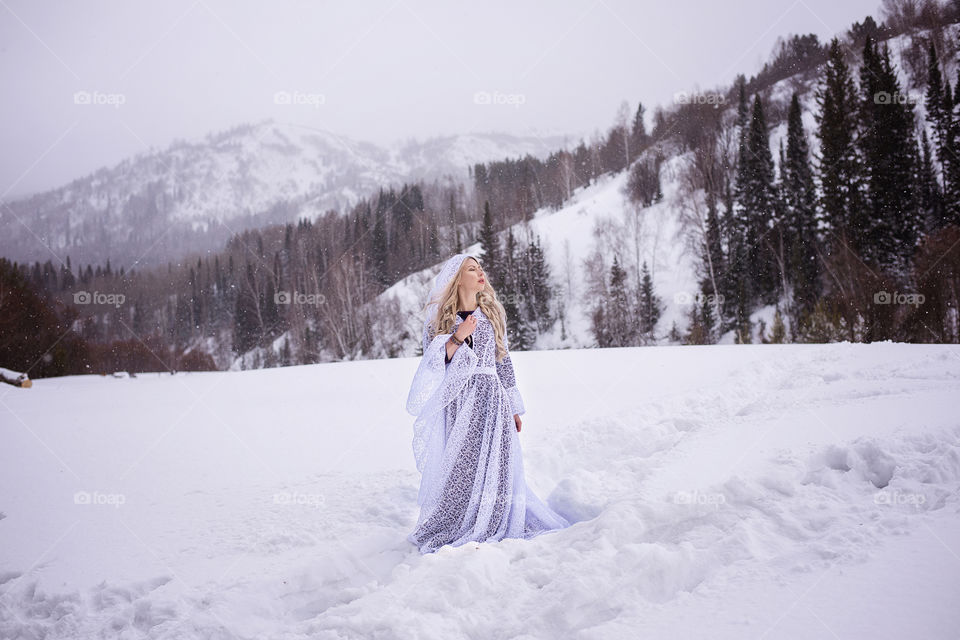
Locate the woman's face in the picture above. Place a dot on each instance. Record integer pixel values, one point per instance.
(472, 279)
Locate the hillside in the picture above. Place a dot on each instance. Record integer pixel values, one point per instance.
(568, 238)
(657, 234)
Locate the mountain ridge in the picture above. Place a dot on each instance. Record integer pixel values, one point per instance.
(191, 196)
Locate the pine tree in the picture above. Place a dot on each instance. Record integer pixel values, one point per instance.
(379, 245)
(938, 112)
(780, 236)
(755, 208)
(196, 300)
(742, 121)
(743, 111)
(182, 321)
(888, 146)
(246, 327)
(271, 315)
(621, 321)
(649, 306)
(800, 200)
(840, 170)
(951, 182)
(457, 247)
(139, 321)
(931, 198)
(540, 291)
(946, 133)
(638, 133)
(490, 247)
(520, 331)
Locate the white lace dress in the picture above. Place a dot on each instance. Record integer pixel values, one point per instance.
(467, 447)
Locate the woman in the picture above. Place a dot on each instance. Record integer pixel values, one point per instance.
(468, 409)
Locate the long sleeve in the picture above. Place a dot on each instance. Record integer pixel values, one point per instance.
(437, 382)
(427, 337)
(508, 379)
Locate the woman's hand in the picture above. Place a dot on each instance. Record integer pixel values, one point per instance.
(516, 418)
(466, 328)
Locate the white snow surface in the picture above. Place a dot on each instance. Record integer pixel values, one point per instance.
(774, 491)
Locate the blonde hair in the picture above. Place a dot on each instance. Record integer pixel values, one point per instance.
(448, 301)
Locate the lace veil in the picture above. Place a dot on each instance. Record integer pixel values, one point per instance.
(435, 385)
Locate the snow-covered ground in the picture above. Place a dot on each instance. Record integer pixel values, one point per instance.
(760, 491)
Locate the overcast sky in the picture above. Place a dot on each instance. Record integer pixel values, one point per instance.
(86, 84)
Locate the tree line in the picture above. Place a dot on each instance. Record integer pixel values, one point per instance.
(857, 245)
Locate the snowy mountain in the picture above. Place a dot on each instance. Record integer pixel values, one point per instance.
(774, 491)
(192, 196)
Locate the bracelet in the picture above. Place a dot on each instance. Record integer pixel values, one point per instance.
(457, 341)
